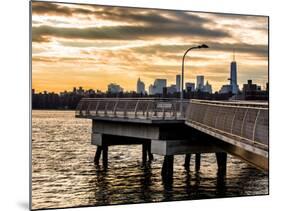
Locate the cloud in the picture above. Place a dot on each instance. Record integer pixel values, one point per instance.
(47, 8)
(257, 50)
(149, 16)
(133, 23)
(146, 43)
(43, 33)
(123, 14)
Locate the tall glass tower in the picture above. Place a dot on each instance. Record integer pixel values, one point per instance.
(233, 75)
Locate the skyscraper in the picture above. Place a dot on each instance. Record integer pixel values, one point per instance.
(140, 87)
(151, 89)
(207, 88)
(189, 87)
(157, 87)
(233, 75)
(178, 82)
(200, 82)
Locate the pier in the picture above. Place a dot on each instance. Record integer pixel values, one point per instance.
(170, 127)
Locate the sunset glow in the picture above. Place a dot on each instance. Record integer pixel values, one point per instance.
(92, 46)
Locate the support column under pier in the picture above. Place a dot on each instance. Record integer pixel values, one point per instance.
(97, 155)
(150, 155)
(187, 162)
(221, 162)
(144, 152)
(197, 161)
(167, 168)
(105, 155)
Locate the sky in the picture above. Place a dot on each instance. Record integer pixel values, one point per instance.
(91, 46)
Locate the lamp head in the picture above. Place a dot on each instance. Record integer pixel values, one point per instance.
(203, 46)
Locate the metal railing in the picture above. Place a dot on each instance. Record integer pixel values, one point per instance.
(240, 120)
(131, 108)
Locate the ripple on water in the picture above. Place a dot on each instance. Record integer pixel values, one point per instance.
(64, 174)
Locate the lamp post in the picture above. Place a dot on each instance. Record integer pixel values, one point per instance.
(182, 73)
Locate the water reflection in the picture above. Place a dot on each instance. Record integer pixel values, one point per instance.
(221, 184)
(102, 187)
(64, 173)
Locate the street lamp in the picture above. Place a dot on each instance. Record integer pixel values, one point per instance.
(182, 73)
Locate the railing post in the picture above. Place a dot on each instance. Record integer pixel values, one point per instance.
(136, 108)
(147, 109)
(105, 108)
(115, 106)
(125, 109)
(163, 112)
(97, 107)
(243, 121)
(217, 117)
(88, 108)
(155, 109)
(232, 122)
(255, 125)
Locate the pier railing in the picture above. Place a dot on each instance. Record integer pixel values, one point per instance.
(242, 121)
(245, 122)
(132, 108)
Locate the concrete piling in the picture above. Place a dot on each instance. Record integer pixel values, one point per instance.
(221, 162)
(150, 155)
(105, 156)
(144, 152)
(97, 155)
(197, 161)
(167, 168)
(187, 162)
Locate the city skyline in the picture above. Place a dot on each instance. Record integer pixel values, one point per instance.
(93, 46)
(109, 86)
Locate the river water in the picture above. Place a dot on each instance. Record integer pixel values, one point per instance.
(64, 174)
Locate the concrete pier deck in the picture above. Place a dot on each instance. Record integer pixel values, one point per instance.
(238, 128)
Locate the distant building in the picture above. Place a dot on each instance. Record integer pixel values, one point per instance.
(199, 82)
(207, 88)
(233, 76)
(190, 87)
(249, 87)
(253, 92)
(140, 87)
(157, 87)
(151, 89)
(172, 89)
(178, 82)
(114, 88)
(225, 89)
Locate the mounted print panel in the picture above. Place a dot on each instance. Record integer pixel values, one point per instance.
(136, 105)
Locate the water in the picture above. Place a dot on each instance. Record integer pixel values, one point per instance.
(64, 174)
